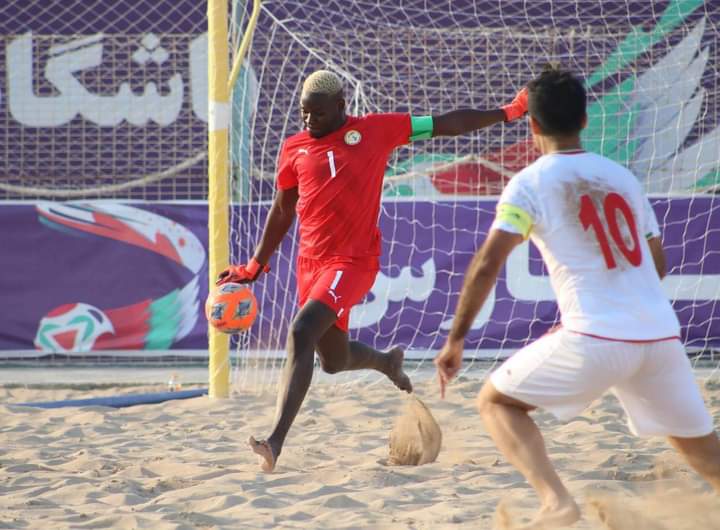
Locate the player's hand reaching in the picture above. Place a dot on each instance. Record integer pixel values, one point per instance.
(448, 363)
(242, 273)
(517, 107)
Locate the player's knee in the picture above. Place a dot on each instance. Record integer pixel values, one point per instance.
(490, 401)
(484, 400)
(300, 339)
(330, 366)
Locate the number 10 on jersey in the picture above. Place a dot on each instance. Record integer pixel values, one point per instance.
(613, 204)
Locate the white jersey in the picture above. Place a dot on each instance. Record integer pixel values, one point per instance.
(590, 220)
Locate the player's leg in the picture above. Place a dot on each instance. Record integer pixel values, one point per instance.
(340, 287)
(311, 323)
(703, 454)
(663, 399)
(561, 372)
(519, 439)
(339, 354)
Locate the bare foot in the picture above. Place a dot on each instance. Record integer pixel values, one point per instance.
(566, 514)
(264, 450)
(395, 371)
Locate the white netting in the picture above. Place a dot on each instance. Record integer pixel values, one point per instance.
(107, 100)
(654, 93)
(103, 100)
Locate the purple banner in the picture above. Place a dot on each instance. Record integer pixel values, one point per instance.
(81, 277)
(427, 248)
(102, 277)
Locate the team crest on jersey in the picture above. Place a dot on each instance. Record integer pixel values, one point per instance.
(353, 137)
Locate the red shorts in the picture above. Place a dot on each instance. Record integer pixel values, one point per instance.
(337, 284)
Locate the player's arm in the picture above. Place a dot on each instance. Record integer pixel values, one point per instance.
(514, 220)
(658, 255)
(463, 121)
(651, 228)
(479, 280)
(512, 225)
(279, 220)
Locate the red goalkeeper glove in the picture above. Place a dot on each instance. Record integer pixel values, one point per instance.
(517, 107)
(242, 273)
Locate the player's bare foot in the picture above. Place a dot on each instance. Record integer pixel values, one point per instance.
(263, 449)
(565, 514)
(396, 373)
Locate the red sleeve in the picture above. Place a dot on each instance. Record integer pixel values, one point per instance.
(396, 127)
(286, 176)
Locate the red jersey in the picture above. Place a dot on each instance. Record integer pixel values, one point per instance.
(340, 180)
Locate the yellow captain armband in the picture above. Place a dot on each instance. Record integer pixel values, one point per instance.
(516, 217)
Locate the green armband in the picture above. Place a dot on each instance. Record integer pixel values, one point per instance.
(422, 127)
(516, 217)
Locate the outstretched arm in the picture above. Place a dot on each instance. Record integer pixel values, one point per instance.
(463, 121)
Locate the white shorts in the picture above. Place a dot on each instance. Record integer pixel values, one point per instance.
(562, 372)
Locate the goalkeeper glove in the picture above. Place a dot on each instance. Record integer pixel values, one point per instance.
(517, 107)
(242, 273)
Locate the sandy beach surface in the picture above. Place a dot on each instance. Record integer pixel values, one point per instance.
(185, 465)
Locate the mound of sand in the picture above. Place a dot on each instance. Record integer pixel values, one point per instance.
(416, 437)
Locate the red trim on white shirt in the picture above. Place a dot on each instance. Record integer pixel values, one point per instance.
(624, 340)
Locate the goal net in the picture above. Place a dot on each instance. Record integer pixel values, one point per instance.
(103, 162)
(106, 101)
(652, 78)
(103, 179)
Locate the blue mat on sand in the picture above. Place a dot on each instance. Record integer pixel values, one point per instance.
(118, 401)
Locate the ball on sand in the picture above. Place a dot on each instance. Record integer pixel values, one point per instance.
(416, 437)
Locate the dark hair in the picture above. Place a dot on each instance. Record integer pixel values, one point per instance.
(557, 100)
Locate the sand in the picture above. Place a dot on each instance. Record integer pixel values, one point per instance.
(185, 464)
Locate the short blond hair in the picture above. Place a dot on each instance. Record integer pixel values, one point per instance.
(322, 82)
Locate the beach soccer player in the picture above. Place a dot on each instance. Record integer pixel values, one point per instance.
(600, 241)
(331, 174)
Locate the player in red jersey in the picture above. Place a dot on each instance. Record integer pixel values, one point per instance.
(331, 174)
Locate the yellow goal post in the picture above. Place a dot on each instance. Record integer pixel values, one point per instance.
(220, 82)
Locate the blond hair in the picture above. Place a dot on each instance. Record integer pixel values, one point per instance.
(322, 82)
